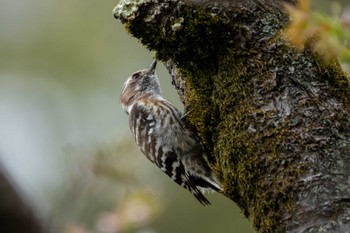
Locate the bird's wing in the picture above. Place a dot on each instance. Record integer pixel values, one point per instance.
(155, 134)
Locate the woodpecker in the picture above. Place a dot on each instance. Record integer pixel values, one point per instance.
(160, 133)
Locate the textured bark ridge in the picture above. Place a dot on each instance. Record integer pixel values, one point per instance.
(274, 119)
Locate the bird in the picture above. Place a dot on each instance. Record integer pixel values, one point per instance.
(161, 133)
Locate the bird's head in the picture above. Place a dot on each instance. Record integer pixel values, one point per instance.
(140, 84)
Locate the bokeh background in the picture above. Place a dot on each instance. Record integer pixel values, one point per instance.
(64, 138)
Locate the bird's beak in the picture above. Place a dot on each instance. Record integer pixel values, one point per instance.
(152, 68)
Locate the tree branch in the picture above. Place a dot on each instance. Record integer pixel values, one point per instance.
(274, 119)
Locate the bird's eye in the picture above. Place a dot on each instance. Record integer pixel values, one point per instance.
(136, 76)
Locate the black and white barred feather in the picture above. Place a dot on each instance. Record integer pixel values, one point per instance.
(162, 136)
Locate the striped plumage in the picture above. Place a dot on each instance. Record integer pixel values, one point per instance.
(162, 136)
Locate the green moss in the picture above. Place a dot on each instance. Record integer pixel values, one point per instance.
(244, 154)
(339, 79)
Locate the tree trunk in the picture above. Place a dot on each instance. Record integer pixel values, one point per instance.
(273, 119)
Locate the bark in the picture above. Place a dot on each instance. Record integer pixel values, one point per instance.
(274, 119)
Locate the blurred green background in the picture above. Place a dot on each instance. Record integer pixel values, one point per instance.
(64, 137)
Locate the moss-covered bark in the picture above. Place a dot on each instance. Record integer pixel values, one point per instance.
(274, 119)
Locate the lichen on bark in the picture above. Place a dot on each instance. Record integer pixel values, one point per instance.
(274, 119)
